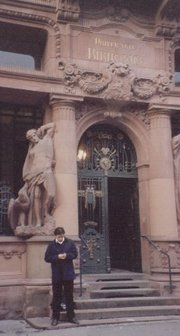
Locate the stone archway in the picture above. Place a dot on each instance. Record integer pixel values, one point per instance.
(136, 131)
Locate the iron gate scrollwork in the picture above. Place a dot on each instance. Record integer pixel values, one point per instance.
(106, 153)
(92, 224)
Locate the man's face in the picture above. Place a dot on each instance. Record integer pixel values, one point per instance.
(60, 237)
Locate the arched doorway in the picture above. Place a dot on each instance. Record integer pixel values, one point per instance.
(108, 201)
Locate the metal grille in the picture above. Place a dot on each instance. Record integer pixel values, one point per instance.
(5, 196)
(107, 151)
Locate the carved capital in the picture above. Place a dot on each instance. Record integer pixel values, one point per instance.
(62, 108)
(68, 10)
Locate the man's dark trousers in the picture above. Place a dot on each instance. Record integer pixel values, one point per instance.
(57, 288)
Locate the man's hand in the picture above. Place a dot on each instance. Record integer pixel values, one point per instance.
(62, 256)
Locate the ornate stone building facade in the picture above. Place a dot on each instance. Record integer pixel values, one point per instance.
(106, 73)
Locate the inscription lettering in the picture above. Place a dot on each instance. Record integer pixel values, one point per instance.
(95, 54)
(113, 44)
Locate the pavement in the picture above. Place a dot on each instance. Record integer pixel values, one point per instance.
(165, 327)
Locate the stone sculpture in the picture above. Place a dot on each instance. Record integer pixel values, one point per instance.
(33, 207)
(176, 156)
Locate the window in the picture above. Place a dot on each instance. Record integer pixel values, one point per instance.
(177, 66)
(17, 60)
(22, 46)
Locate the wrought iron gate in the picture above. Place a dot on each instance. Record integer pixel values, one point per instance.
(104, 153)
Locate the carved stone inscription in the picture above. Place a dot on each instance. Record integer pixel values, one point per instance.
(106, 49)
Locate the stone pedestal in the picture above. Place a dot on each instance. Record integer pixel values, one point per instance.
(38, 278)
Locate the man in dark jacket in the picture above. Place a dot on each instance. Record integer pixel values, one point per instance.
(60, 253)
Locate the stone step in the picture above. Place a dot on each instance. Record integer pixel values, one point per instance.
(109, 313)
(114, 276)
(126, 302)
(135, 292)
(119, 284)
(125, 320)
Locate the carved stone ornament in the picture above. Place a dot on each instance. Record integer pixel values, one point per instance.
(9, 253)
(89, 81)
(120, 15)
(117, 82)
(68, 10)
(166, 30)
(144, 88)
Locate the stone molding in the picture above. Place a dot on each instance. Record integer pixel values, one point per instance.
(175, 43)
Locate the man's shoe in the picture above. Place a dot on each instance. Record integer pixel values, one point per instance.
(73, 320)
(54, 322)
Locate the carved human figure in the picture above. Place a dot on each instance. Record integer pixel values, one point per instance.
(176, 157)
(36, 199)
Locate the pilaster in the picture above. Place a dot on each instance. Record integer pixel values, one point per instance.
(163, 222)
(66, 213)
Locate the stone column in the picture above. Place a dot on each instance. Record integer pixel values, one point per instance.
(66, 213)
(163, 222)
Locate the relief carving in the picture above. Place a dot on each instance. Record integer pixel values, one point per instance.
(93, 83)
(115, 83)
(89, 81)
(120, 15)
(8, 254)
(143, 116)
(160, 260)
(144, 88)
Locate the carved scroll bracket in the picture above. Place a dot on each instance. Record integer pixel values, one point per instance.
(68, 10)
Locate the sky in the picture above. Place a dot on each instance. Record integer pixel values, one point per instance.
(18, 60)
